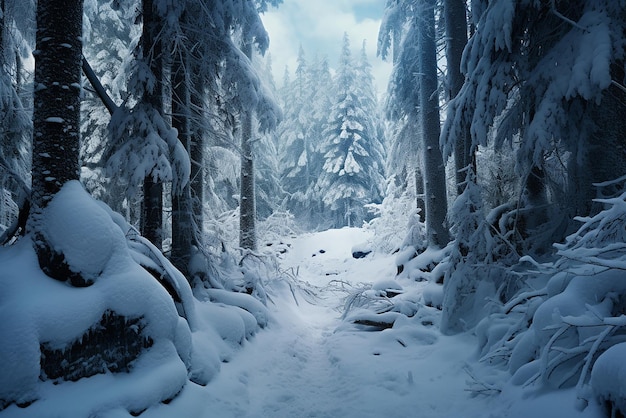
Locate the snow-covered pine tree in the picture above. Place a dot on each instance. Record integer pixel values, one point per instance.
(240, 90)
(296, 144)
(400, 106)
(143, 148)
(369, 101)
(269, 188)
(109, 39)
(546, 76)
(351, 176)
(15, 120)
(413, 104)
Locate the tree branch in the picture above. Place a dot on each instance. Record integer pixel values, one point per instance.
(98, 87)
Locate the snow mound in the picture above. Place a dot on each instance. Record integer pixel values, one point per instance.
(608, 377)
(38, 312)
(81, 230)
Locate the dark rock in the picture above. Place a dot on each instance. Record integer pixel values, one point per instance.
(360, 254)
(111, 345)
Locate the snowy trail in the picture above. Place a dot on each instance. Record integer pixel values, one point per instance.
(302, 366)
(308, 364)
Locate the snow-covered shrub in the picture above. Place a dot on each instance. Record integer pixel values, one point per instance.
(391, 219)
(380, 304)
(467, 282)
(222, 230)
(570, 312)
(608, 380)
(276, 227)
(133, 339)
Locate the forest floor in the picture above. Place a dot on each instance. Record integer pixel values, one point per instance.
(310, 363)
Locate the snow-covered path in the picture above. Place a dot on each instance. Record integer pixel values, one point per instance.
(307, 365)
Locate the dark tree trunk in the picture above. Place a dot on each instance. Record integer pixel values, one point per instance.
(3, 13)
(456, 39)
(247, 206)
(56, 118)
(56, 113)
(196, 155)
(419, 192)
(152, 207)
(182, 221)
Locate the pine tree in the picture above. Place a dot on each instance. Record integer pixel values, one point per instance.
(15, 121)
(351, 176)
(269, 189)
(413, 103)
(296, 146)
(527, 84)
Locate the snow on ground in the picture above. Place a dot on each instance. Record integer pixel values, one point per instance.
(308, 364)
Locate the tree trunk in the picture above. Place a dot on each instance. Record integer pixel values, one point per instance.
(604, 156)
(182, 221)
(56, 113)
(247, 205)
(419, 194)
(456, 39)
(434, 170)
(152, 207)
(196, 155)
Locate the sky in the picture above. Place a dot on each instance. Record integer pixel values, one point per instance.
(319, 25)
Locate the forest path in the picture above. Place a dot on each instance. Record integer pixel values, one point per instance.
(309, 364)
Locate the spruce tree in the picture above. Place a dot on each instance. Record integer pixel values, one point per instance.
(351, 175)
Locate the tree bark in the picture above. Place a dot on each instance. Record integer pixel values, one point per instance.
(56, 118)
(247, 205)
(456, 38)
(182, 221)
(196, 155)
(434, 170)
(152, 207)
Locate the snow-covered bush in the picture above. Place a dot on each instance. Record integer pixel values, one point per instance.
(391, 219)
(380, 304)
(277, 227)
(569, 312)
(467, 282)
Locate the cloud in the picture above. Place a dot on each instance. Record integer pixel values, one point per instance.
(319, 27)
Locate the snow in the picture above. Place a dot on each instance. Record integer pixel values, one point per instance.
(55, 119)
(306, 362)
(68, 217)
